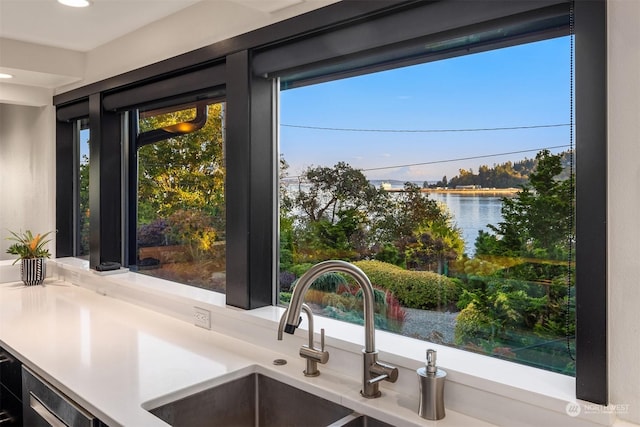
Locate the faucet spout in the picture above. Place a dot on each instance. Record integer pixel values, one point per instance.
(373, 371)
(307, 279)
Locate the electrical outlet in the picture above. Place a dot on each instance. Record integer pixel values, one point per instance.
(202, 317)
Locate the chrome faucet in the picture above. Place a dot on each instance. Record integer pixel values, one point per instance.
(373, 370)
(309, 352)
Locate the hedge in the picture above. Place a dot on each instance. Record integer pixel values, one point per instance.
(414, 289)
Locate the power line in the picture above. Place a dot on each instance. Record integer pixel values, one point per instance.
(425, 130)
(465, 158)
(458, 159)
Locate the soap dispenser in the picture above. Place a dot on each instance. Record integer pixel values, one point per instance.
(431, 389)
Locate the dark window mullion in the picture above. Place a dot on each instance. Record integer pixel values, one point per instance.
(249, 185)
(105, 188)
(591, 201)
(65, 189)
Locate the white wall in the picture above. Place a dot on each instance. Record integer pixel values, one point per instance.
(624, 204)
(27, 171)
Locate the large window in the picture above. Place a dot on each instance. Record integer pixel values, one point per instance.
(180, 195)
(312, 55)
(450, 184)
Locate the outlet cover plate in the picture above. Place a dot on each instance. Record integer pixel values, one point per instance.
(202, 317)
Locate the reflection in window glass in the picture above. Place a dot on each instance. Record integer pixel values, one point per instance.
(450, 184)
(83, 212)
(181, 206)
(163, 118)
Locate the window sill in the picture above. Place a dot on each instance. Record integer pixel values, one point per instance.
(479, 386)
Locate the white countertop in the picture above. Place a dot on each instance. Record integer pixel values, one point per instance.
(116, 358)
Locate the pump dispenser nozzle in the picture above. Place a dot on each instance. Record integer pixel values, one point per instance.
(431, 361)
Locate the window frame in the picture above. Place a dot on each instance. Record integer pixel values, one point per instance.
(252, 163)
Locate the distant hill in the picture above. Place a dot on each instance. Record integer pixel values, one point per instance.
(504, 175)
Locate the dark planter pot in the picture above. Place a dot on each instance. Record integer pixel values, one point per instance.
(33, 271)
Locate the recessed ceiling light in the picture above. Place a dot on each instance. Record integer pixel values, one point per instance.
(5, 76)
(75, 3)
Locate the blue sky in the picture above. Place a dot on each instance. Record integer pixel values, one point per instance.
(526, 85)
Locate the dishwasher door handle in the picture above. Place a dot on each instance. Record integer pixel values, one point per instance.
(44, 405)
(44, 412)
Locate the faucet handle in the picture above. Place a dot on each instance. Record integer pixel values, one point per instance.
(314, 356)
(383, 371)
(310, 353)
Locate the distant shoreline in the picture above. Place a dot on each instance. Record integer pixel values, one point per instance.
(466, 191)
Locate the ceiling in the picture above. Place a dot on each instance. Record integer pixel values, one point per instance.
(41, 25)
(49, 23)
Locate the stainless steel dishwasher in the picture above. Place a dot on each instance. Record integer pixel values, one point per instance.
(45, 406)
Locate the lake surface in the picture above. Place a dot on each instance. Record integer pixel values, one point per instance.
(471, 214)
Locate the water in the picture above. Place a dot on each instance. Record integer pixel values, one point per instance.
(471, 214)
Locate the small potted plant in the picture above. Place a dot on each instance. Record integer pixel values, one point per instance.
(32, 253)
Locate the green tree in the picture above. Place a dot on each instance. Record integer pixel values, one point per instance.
(536, 222)
(434, 244)
(335, 209)
(183, 172)
(181, 188)
(406, 212)
(286, 203)
(526, 296)
(341, 215)
(335, 190)
(504, 175)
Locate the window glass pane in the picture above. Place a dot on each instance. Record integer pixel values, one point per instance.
(83, 212)
(450, 184)
(181, 205)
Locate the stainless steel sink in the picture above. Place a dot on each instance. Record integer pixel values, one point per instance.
(254, 400)
(358, 420)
